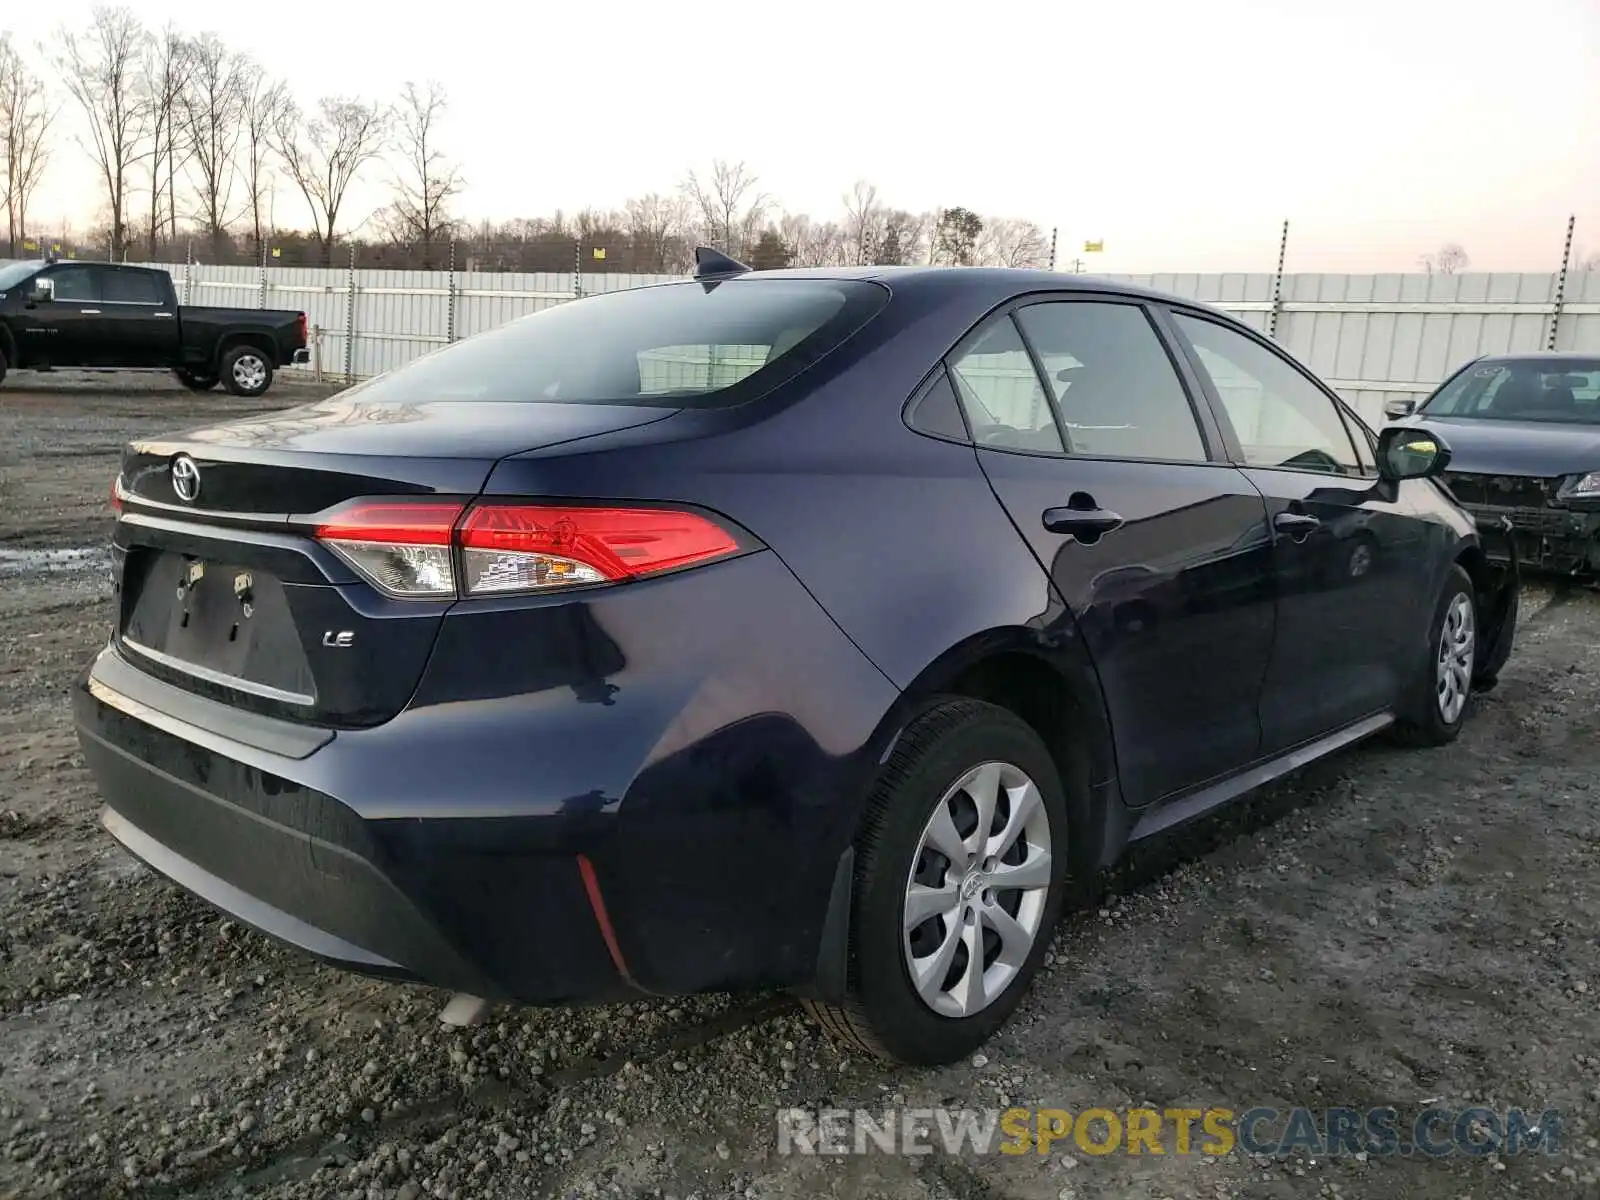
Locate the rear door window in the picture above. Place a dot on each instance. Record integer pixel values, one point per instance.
(679, 344)
(129, 287)
(1116, 387)
(999, 389)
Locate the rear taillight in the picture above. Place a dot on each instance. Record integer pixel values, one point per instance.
(431, 550)
(300, 327)
(116, 494)
(403, 549)
(523, 548)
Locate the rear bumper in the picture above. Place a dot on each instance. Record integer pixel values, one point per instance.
(647, 791)
(301, 866)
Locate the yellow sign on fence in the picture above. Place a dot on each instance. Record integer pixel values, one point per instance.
(599, 251)
(1094, 247)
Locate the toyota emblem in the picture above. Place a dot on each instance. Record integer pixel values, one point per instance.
(185, 478)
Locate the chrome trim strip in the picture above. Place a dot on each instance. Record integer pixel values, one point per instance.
(265, 691)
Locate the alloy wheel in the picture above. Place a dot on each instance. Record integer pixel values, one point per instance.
(249, 371)
(975, 898)
(1458, 643)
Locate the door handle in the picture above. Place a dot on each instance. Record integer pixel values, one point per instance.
(1299, 526)
(88, 312)
(1085, 524)
(167, 315)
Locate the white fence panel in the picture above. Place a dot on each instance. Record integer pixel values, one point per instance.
(1370, 336)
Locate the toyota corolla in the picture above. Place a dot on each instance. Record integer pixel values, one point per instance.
(822, 630)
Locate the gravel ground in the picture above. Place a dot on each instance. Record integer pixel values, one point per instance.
(1386, 927)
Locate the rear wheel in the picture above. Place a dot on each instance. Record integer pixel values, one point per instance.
(1441, 695)
(2, 366)
(246, 371)
(959, 881)
(195, 381)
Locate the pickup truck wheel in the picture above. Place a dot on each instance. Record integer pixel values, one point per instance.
(195, 382)
(246, 371)
(2, 366)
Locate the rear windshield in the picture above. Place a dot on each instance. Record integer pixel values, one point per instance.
(675, 345)
(1528, 389)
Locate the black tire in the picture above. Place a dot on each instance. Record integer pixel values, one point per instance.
(196, 382)
(246, 382)
(883, 1015)
(1422, 722)
(3, 365)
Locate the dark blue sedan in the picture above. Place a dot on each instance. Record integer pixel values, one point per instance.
(825, 630)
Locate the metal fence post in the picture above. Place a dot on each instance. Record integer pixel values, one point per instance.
(1561, 285)
(261, 291)
(188, 271)
(1052, 247)
(577, 269)
(350, 320)
(1277, 285)
(450, 297)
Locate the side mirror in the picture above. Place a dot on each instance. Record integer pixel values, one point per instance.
(1395, 409)
(1406, 453)
(44, 291)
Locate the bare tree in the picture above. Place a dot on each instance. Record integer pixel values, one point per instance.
(1008, 242)
(166, 77)
(324, 155)
(729, 207)
(263, 105)
(1449, 259)
(420, 213)
(656, 227)
(1583, 260)
(211, 112)
(812, 243)
(863, 222)
(101, 68)
(25, 118)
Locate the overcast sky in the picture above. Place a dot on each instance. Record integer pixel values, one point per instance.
(1181, 133)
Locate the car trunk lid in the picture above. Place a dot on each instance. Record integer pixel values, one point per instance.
(224, 588)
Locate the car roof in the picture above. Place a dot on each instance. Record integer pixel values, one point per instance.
(1554, 356)
(1001, 281)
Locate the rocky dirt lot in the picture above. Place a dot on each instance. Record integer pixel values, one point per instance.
(1389, 927)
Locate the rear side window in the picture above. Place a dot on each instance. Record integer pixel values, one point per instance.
(678, 345)
(935, 411)
(129, 287)
(1000, 391)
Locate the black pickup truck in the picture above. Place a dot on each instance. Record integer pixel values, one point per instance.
(106, 315)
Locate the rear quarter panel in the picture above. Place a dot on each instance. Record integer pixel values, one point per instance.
(898, 536)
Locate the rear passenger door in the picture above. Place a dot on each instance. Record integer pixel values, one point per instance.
(1085, 427)
(1350, 555)
(139, 327)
